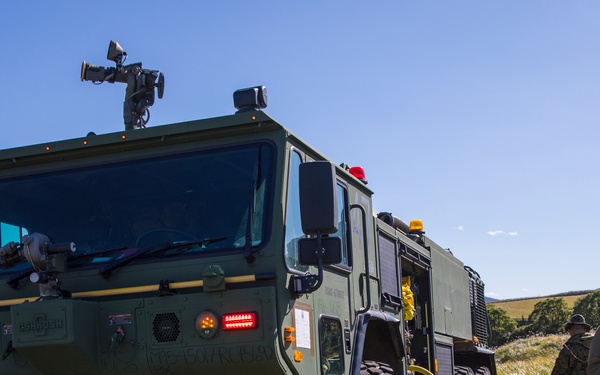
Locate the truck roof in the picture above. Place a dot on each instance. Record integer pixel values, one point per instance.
(250, 122)
(126, 136)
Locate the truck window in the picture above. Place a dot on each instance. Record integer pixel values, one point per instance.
(217, 198)
(332, 348)
(11, 233)
(342, 231)
(293, 224)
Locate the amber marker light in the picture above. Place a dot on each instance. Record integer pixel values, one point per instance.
(207, 324)
(47, 148)
(288, 332)
(239, 321)
(123, 136)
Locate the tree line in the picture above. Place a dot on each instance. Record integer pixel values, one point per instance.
(548, 317)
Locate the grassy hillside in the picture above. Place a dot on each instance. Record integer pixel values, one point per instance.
(530, 356)
(517, 309)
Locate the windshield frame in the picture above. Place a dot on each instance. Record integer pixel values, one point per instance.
(103, 256)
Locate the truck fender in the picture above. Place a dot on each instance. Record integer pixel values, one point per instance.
(360, 337)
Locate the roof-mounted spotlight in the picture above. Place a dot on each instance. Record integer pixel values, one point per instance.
(116, 53)
(250, 99)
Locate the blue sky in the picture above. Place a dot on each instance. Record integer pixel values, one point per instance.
(478, 117)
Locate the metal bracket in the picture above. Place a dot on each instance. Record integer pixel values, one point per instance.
(164, 289)
(304, 284)
(393, 301)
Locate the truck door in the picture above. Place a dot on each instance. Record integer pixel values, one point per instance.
(321, 319)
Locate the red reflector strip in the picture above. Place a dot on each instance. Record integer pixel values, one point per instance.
(246, 320)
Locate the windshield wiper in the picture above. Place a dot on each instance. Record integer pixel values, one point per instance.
(13, 280)
(107, 270)
(95, 253)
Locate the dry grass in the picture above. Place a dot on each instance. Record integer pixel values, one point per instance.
(533, 355)
(518, 309)
(530, 356)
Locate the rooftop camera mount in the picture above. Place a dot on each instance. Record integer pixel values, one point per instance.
(139, 94)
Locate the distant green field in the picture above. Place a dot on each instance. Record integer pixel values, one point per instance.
(517, 309)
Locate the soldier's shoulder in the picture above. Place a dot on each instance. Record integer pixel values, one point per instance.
(581, 337)
(586, 340)
(581, 342)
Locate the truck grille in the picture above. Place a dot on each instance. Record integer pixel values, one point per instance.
(479, 311)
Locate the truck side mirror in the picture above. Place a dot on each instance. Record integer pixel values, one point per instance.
(319, 212)
(318, 198)
(331, 251)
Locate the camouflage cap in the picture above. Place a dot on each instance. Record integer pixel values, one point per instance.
(577, 319)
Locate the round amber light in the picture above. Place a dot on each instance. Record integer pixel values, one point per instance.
(207, 324)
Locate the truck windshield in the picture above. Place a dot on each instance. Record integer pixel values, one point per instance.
(216, 199)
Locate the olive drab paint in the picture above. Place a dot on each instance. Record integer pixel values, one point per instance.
(178, 226)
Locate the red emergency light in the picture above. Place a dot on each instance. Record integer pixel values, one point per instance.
(359, 173)
(238, 321)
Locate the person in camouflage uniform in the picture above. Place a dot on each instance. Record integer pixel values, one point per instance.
(594, 357)
(573, 357)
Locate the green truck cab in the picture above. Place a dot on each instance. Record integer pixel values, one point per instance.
(220, 246)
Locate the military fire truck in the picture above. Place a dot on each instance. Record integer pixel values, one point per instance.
(219, 246)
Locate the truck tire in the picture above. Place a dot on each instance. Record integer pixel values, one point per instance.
(482, 370)
(375, 368)
(463, 370)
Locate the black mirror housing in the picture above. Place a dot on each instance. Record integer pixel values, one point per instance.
(331, 250)
(318, 198)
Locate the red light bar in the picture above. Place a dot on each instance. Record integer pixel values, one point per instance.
(245, 320)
